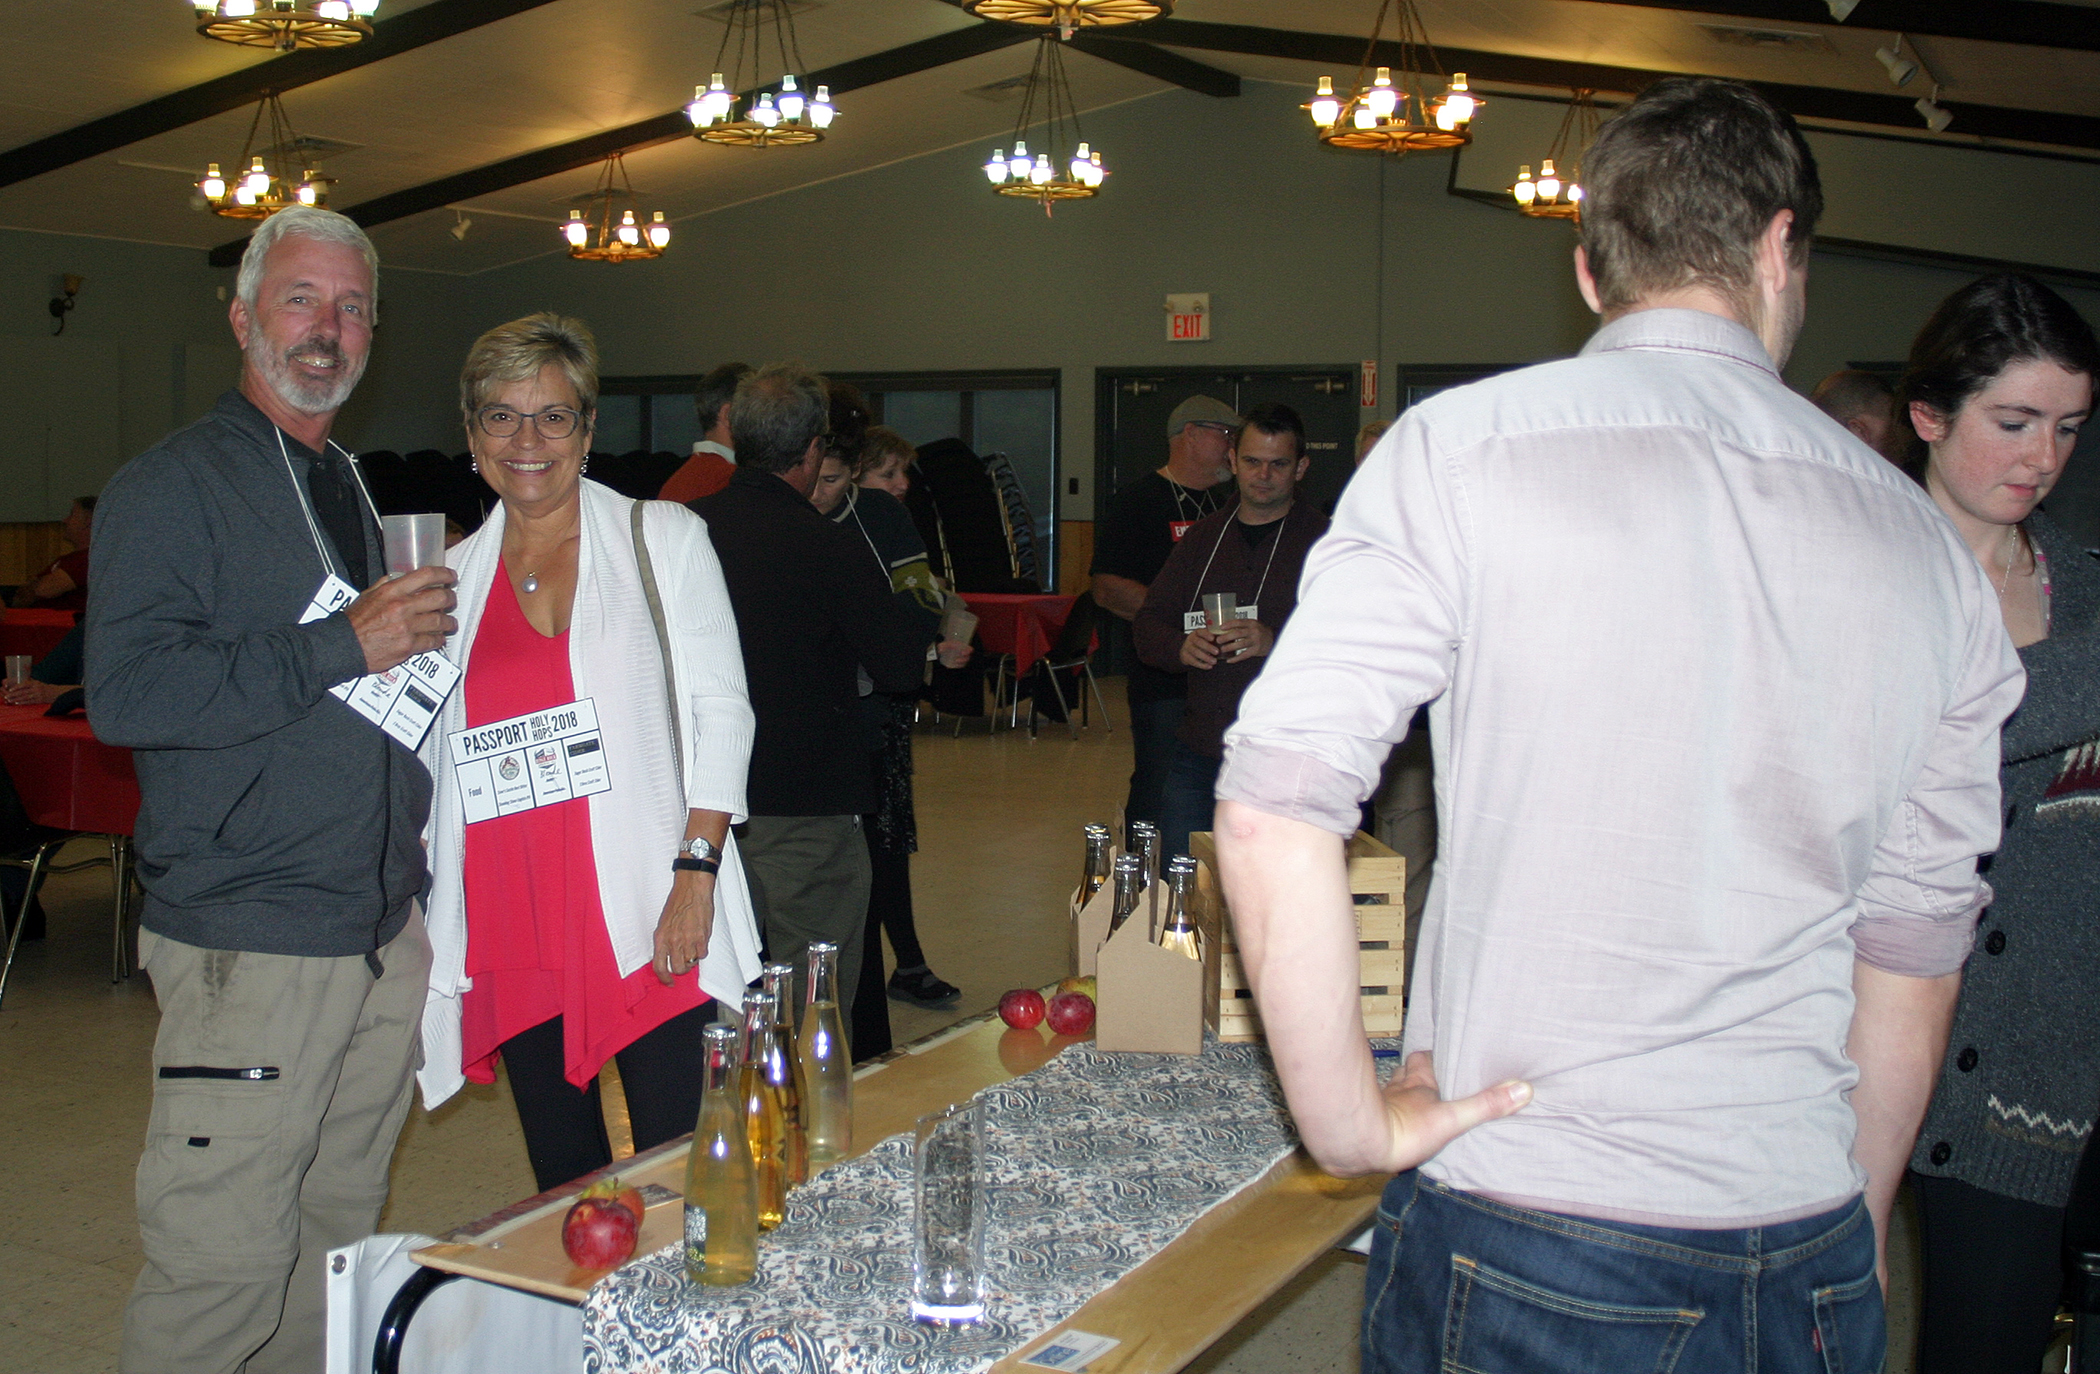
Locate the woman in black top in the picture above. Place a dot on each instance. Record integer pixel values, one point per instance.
(1999, 382)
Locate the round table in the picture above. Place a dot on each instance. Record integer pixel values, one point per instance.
(1021, 624)
(69, 780)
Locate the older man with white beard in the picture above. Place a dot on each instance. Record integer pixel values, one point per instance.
(279, 840)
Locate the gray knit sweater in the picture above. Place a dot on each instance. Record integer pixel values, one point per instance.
(2020, 1087)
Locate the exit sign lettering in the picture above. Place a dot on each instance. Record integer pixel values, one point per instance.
(1188, 317)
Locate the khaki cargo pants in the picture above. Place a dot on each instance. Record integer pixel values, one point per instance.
(281, 1084)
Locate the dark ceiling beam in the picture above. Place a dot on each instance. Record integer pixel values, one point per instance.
(1342, 53)
(871, 70)
(1162, 65)
(2031, 22)
(437, 20)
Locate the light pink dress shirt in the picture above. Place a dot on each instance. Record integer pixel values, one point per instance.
(1716, 705)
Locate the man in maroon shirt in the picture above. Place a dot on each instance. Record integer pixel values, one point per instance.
(63, 585)
(1254, 551)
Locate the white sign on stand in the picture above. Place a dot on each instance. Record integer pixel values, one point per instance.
(1188, 317)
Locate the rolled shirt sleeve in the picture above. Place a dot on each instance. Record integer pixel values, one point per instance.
(1923, 895)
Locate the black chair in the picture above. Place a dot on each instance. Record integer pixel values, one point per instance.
(1072, 654)
(27, 845)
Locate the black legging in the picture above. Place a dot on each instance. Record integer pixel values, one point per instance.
(1993, 1275)
(564, 1126)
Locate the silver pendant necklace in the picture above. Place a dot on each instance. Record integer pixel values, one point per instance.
(532, 582)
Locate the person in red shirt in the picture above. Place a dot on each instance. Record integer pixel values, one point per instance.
(63, 585)
(714, 457)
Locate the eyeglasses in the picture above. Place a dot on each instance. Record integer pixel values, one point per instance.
(1215, 426)
(555, 422)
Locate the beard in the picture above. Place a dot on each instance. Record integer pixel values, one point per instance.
(307, 395)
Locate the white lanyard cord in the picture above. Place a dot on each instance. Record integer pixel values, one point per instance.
(1260, 587)
(313, 526)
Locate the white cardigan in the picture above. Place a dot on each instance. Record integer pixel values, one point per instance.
(636, 827)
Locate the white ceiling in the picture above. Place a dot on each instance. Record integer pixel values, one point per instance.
(570, 68)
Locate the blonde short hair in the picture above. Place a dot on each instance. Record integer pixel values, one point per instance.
(518, 350)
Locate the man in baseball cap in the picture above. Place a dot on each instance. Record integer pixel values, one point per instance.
(1145, 520)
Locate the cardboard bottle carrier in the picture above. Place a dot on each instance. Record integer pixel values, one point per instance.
(1153, 1000)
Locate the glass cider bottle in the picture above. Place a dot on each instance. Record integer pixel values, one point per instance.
(1098, 840)
(721, 1188)
(1130, 887)
(826, 1064)
(1177, 929)
(777, 1061)
(1144, 842)
(764, 1121)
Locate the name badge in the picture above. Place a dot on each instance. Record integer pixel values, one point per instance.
(1192, 621)
(1178, 528)
(528, 761)
(403, 701)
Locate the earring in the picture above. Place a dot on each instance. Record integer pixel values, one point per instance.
(476, 461)
(586, 466)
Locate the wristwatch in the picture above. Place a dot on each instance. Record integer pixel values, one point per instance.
(700, 855)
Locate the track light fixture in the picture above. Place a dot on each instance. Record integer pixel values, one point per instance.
(1936, 116)
(1841, 10)
(1900, 66)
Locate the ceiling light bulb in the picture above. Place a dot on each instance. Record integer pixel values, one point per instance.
(995, 169)
(630, 232)
(1456, 109)
(1094, 170)
(1040, 173)
(1936, 116)
(576, 231)
(239, 9)
(213, 185)
(1079, 164)
(766, 113)
(1325, 108)
(1525, 190)
(338, 10)
(1017, 165)
(1383, 97)
(791, 101)
(257, 181)
(1549, 181)
(310, 189)
(242, 195)
(1574, 192)
(659, 232)
(1366, 117)
(821, 110)
(1899, 67)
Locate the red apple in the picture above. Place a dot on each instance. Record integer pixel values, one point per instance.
(600, 1228)
(1071, 1013)
(1022, 1008)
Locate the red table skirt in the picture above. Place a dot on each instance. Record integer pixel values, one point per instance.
(1022, 624)
(68, 779)
(33, 632)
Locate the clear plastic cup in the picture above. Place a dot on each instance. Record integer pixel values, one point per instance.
(948, 1215)
(17, 669)
(412, 542)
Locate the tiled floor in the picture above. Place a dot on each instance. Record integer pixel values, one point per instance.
(999, 823)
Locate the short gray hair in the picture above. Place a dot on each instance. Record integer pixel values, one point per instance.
(306, 222)
(515, 351)
(774, 415)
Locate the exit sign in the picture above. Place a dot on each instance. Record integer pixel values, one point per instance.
(1188, 317)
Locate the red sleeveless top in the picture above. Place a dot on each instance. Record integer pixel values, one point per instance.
(537, 946)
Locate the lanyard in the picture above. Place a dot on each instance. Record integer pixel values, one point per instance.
(306, 508)
(1226, 529)
(1200, 500)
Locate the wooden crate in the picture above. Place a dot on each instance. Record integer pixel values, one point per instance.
(1377, 877)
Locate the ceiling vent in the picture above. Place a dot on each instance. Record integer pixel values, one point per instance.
(307, 150)
(999, 92)
(1784, 40)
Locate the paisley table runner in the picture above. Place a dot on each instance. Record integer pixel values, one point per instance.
(1095, 1162)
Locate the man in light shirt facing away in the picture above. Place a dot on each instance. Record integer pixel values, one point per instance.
(1716, 706)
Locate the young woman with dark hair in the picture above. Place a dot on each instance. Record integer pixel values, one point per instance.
(2000, 380)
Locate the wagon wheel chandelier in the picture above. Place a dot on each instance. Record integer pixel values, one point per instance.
(1555, 194)
(1382, 117)
(286, 24)
(790, 118)
(265, 186)
(1064, 167)
(596, 235)
(1067, 15)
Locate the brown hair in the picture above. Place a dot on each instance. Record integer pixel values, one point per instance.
(879, 446)
(512, 352)
(1681, 185)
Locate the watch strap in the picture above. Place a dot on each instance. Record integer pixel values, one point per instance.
(681, 864)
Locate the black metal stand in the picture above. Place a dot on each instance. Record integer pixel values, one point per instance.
(393, 1327)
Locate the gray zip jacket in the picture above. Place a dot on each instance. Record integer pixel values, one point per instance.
(275, 819)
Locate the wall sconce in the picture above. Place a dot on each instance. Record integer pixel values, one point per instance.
(1841, 10)
(62, 303)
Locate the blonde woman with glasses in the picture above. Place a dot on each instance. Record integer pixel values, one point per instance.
(587, 899)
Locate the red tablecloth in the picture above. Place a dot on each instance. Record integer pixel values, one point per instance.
(68, 779)
(1021, 624)
(33, 632)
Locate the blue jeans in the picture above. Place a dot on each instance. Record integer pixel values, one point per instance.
(1190, 797)
(1461, 1284)
(1152, 727)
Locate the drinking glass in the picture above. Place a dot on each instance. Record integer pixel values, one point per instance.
(17, 669)
(1221, 608)
(412, 542)
(948, 1212)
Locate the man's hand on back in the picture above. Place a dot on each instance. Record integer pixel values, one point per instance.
(404, 616)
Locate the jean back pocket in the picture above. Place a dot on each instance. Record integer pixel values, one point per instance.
(1495, 1323)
